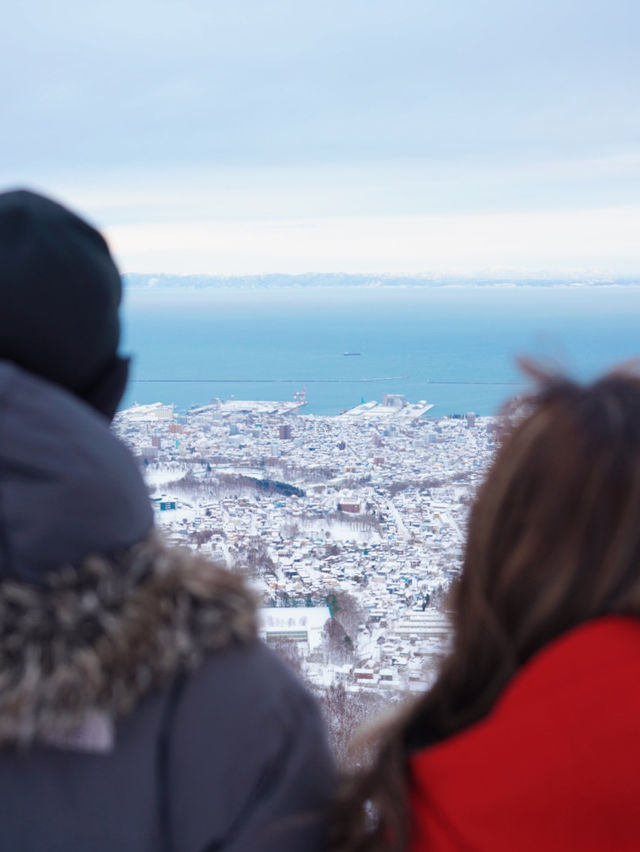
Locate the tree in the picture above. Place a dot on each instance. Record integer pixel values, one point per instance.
(200, 537)
(347, 611)
(338, 646)
(345, 713)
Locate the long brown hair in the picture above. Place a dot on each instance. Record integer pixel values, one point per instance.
(553, 540)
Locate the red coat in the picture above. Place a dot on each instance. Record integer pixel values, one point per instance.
(555, 766)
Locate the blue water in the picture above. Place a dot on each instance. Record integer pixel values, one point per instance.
(267, 344)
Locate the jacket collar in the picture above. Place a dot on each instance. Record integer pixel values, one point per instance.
(83, 649)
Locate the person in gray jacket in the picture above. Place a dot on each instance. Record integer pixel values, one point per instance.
(138, 709)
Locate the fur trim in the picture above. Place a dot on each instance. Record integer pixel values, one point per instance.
(99, 637)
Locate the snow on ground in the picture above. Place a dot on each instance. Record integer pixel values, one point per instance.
(158, 475)
(340, 531)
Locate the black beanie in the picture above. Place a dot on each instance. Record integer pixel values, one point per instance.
(60, 292)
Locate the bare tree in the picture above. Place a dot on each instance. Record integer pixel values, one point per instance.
(347, 611)
(255, 560)
(200, 537)
(346, 713)
(338, 646)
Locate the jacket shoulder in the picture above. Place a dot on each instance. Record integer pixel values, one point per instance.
(564, 732)
(249, 766)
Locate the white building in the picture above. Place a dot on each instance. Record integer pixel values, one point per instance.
(294, 624)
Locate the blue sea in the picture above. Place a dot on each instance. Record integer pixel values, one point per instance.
(455, 346)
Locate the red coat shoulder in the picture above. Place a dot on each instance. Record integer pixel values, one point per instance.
(555, 764)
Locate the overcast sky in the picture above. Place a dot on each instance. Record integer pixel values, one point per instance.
(360, 135)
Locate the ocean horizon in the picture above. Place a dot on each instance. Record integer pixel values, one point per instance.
(455, 347)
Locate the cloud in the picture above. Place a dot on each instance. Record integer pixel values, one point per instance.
(241, 127)
(571, 242)
(256, 82)
(368, 188)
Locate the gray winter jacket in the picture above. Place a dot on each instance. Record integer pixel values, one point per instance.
(138, 711)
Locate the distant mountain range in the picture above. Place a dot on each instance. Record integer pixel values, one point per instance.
(139, 281)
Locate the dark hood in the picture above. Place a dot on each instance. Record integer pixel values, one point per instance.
(61, 293)
(68, 487)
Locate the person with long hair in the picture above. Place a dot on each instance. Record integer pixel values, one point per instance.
(530, 737)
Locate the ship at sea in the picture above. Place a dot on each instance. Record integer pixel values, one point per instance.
(347, 354)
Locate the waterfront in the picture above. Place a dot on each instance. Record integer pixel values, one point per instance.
(455, 347)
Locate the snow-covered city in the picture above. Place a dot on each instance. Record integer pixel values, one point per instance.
(350, 528)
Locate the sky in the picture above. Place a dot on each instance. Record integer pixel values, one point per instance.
(465, 138)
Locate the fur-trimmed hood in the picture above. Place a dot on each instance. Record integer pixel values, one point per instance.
(82, 650)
